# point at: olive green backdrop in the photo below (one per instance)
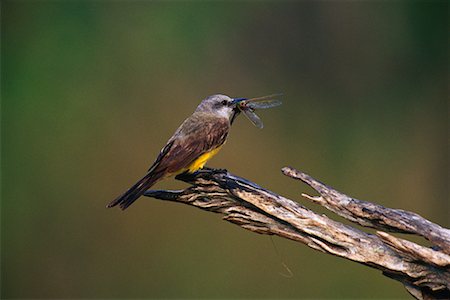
(91, 91)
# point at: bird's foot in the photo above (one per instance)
(190, 177)
(213, 170)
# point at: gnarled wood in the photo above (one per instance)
(425, 272)
(373, 215)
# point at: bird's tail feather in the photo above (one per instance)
(133, 193)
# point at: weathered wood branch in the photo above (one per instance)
(425, 272)
(373, 215)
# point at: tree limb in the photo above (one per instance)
(425, 272)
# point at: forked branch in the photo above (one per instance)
(425, 272)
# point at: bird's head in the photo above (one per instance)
(220, 105)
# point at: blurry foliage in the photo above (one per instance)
(92, 90)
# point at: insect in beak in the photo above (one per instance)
(248, 106)
(237, 101)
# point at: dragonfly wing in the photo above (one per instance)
(253, 118)
(249, 106)
(268, 97)
(263, 104)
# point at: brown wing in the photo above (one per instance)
(199, 134)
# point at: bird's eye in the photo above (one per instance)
(224, 102)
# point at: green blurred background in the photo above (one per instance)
(91, 91)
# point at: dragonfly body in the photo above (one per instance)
(249, 106)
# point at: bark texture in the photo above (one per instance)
(424, 271)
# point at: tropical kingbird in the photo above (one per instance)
(196, 141)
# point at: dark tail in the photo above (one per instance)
(135, 191)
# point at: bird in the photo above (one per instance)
(196, 141)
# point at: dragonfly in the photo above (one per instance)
(248, 107)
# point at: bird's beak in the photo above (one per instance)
(236, 111)
(237, 100)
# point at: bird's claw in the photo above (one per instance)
(187, 177)
(213, 170)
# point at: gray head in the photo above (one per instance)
(220, 105)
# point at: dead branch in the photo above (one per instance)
(425, 272)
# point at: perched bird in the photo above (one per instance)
(196, 141)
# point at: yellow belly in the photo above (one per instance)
(201, 160)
